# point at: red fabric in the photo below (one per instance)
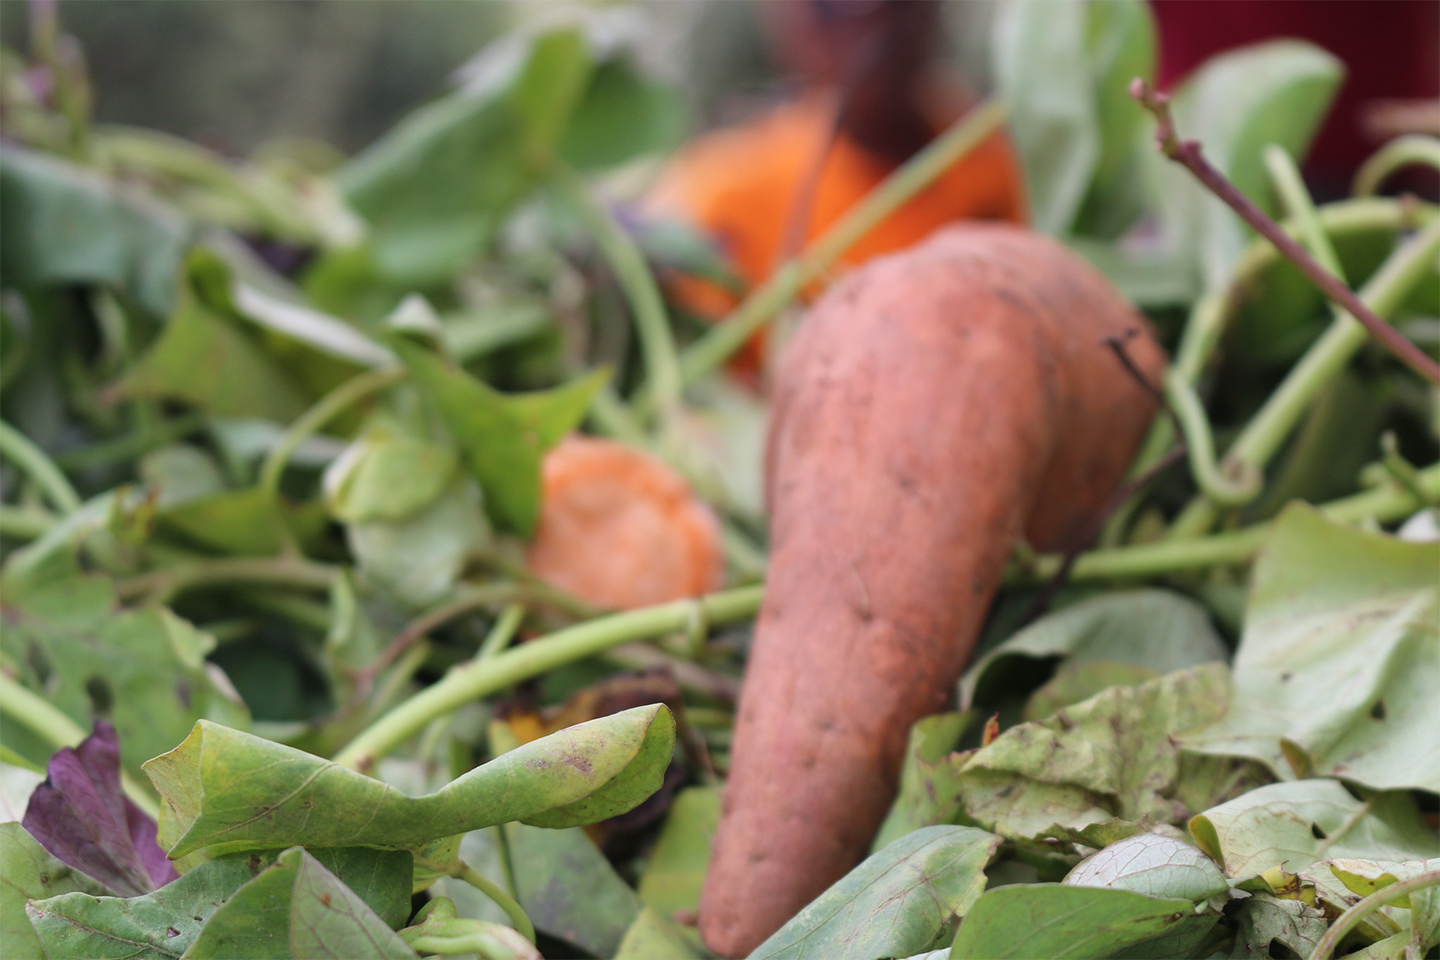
(1391, 49)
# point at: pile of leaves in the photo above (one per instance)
(273, 441)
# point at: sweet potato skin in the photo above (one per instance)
(934, 406)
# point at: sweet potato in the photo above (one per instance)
(620, 529)
(935, 406)
(739, 186)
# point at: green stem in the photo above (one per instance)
(646, 304)
(1317, 368)
(326, 408)
(1382, 504)
(720, 342)
(290, 571)
(502, 899)
(1348, 920)
(57, 731)
(1296, 200)
(1200, 449)
(1400, 152)
(502, 632)
(25, 523)
(476, 679)
(19, 450)
(132, 445)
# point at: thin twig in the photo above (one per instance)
(1189, 155)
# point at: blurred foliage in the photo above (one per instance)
(238, 73)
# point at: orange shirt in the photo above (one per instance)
(739, 186)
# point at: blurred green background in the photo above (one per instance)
(234, 73)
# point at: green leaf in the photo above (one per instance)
(675, 872)
(929, 790)
(1235, 105)
(250, 522)
(143, 670)
(655, 937)
(436, 188)
(568, 888)
(622, 115)
(1055, 921)
(1155, 865)
(502, 437)
(1151, 628)
(28, 872)
(164, 923)
(418, 559)
(1364, 877)
(296, 908)
(207, 358)
(1075, 682)
(327, 918)
(387, 476)
(226, 790)
(1120, 45)
(1112, 755)
(1042, 73)
(1295, 824)
(1338, 665)
(900, 901)
(66, 225)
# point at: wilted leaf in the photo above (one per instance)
(64, 225)
(1074, 682)
(897, 902)
(1364, 877)
(1112, 755)
(1338, 666)
(1151, 628)
(28, 872)
(1263, 919)
(1056, 921)
(226, 790)
(80, 815)
(1155, 865)
(568, 888)
(1295, 824)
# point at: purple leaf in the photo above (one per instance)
(80, 815)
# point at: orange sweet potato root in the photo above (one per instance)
(934, 407)
(620, 529)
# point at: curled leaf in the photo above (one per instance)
(226, 790)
